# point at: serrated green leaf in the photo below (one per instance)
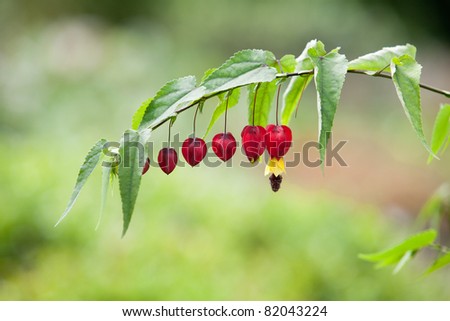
(382, 58)
(329, 76)
(394, 254)
(130, 173)
(233, 99)
(175, 94)
(90, 162)
(243, 68)
(264, 101)
(288, 63)
(439, 263)
(139, 114)
(406, 77)
(441, 130)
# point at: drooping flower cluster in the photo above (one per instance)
(276, 139)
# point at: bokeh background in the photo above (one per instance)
(76, 70)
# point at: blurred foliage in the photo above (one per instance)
(73, 71)
(238, 241)
(422, 20)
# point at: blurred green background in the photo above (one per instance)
(74, 71)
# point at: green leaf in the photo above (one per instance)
(405, 259)
(233, 99)
(175, 94)
(106, 182)
(264, 98)
(382, 58)
(292, 96)
(304, 62)
(130, 172)
(297, 85)
(288, 63)
(139, 114)
(243, 68)
(86, 169)
(439, 263)
(395, 254)
(441, 130)
(430, 214)
(329, 76)
(406, 77)
(207, 73)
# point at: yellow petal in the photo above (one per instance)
(275, 166)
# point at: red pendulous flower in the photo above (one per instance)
(253, 142)
(224, 145)
(278, 140)
(194, 150)
(146, 166)
(167, 160)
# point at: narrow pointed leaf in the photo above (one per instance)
(130, 172)
(90, 162)
(441, 130)
(406, 77)
(395, 254)
(233, 99)
(292, 96)
(382, 58)
(329, 76)
(264, 102)
(405, 259)
(243, 68)
(139, 114)
(174, 94)
(297, 85)
(439, 263)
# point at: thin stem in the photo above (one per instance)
(440, 248)
(254, 104)
(446, 93)
(424, 86)
(226, 111)
(170, 127)
(195, 119)
(278, 96)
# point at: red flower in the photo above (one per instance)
(167, 160)
(253, 142)
(194, 150)
(146, 166)
(224, 145)
(278, 140)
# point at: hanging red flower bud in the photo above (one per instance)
(194, 150)
(146, 166)
(253, 142)
(278, 140)
(224, 145)
(167, 160)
